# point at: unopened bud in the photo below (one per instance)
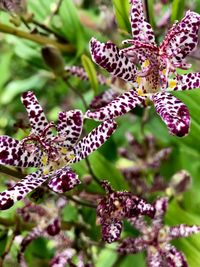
(180, 182)
(53, 59)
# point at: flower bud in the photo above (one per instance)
(53, 59)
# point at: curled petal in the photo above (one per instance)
(161, 206)
(173, 112)
(182, 38)
(69, 127)
(111, 231)
(173, 257)
(183, 230)
(132, 245)
(80, 73)
(187, 82)
(61, 259)
(154, 258)
(103, 99)
(35, 112)
(141, 29)
(108, 57)
(21, 189)
(13, 153)
(159, 157)
(118, 107)
(63, 180)
(94, 140)
(54, 227)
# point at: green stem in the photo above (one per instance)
(36, 38)
(11, 172)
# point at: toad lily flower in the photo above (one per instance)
(153, 81)
(51, 153)
(117, 206)
(155, 239)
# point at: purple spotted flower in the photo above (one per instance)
(115, 207)
(51, 153)
(155, 239)
(154, 80)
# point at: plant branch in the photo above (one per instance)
(11, 172)
(36, 38)
(91, 172)
(80, 202)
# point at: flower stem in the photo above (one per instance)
(36, 38)
(80, 202)
(11, 172)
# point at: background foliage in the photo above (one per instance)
(22, 68)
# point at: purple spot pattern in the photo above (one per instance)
(52, 153)
(141, 29)
(93, 140)
(155, 238)
(173, 112)
(108, 57)
(119, 106)
(12, 153)
(115, 207)
(163, 60)
(63, 180)
(80, 73)
(69, 127)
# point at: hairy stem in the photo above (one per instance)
(36, 38)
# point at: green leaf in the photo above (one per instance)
(91, 72)
(121, 9)
(71, 26)
(17, 87)
(178, 7)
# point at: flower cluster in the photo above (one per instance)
(52, 154)
(155, 238)
(154, 81)
(117, 206)
(144, 160)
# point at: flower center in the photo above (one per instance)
(55, 155)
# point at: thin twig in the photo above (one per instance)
(80, 202)
(11, 172)
(72, 88)
(92, 172)
(36, 38)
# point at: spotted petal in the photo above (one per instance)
(183, 230)
(182, 38)
(35, 112)
(70, 126)
(141, 29)
(119, 106)
(80, 73)
(111, 231)
(103, 99)
(21, 189)
(12, 153)
(108, 57)
(132, 245)
(64, 180)
(173, 112)
(94, 140)
(62, 258)
(186, 82)
(173, 257)
(154, 258)
(161, 205)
